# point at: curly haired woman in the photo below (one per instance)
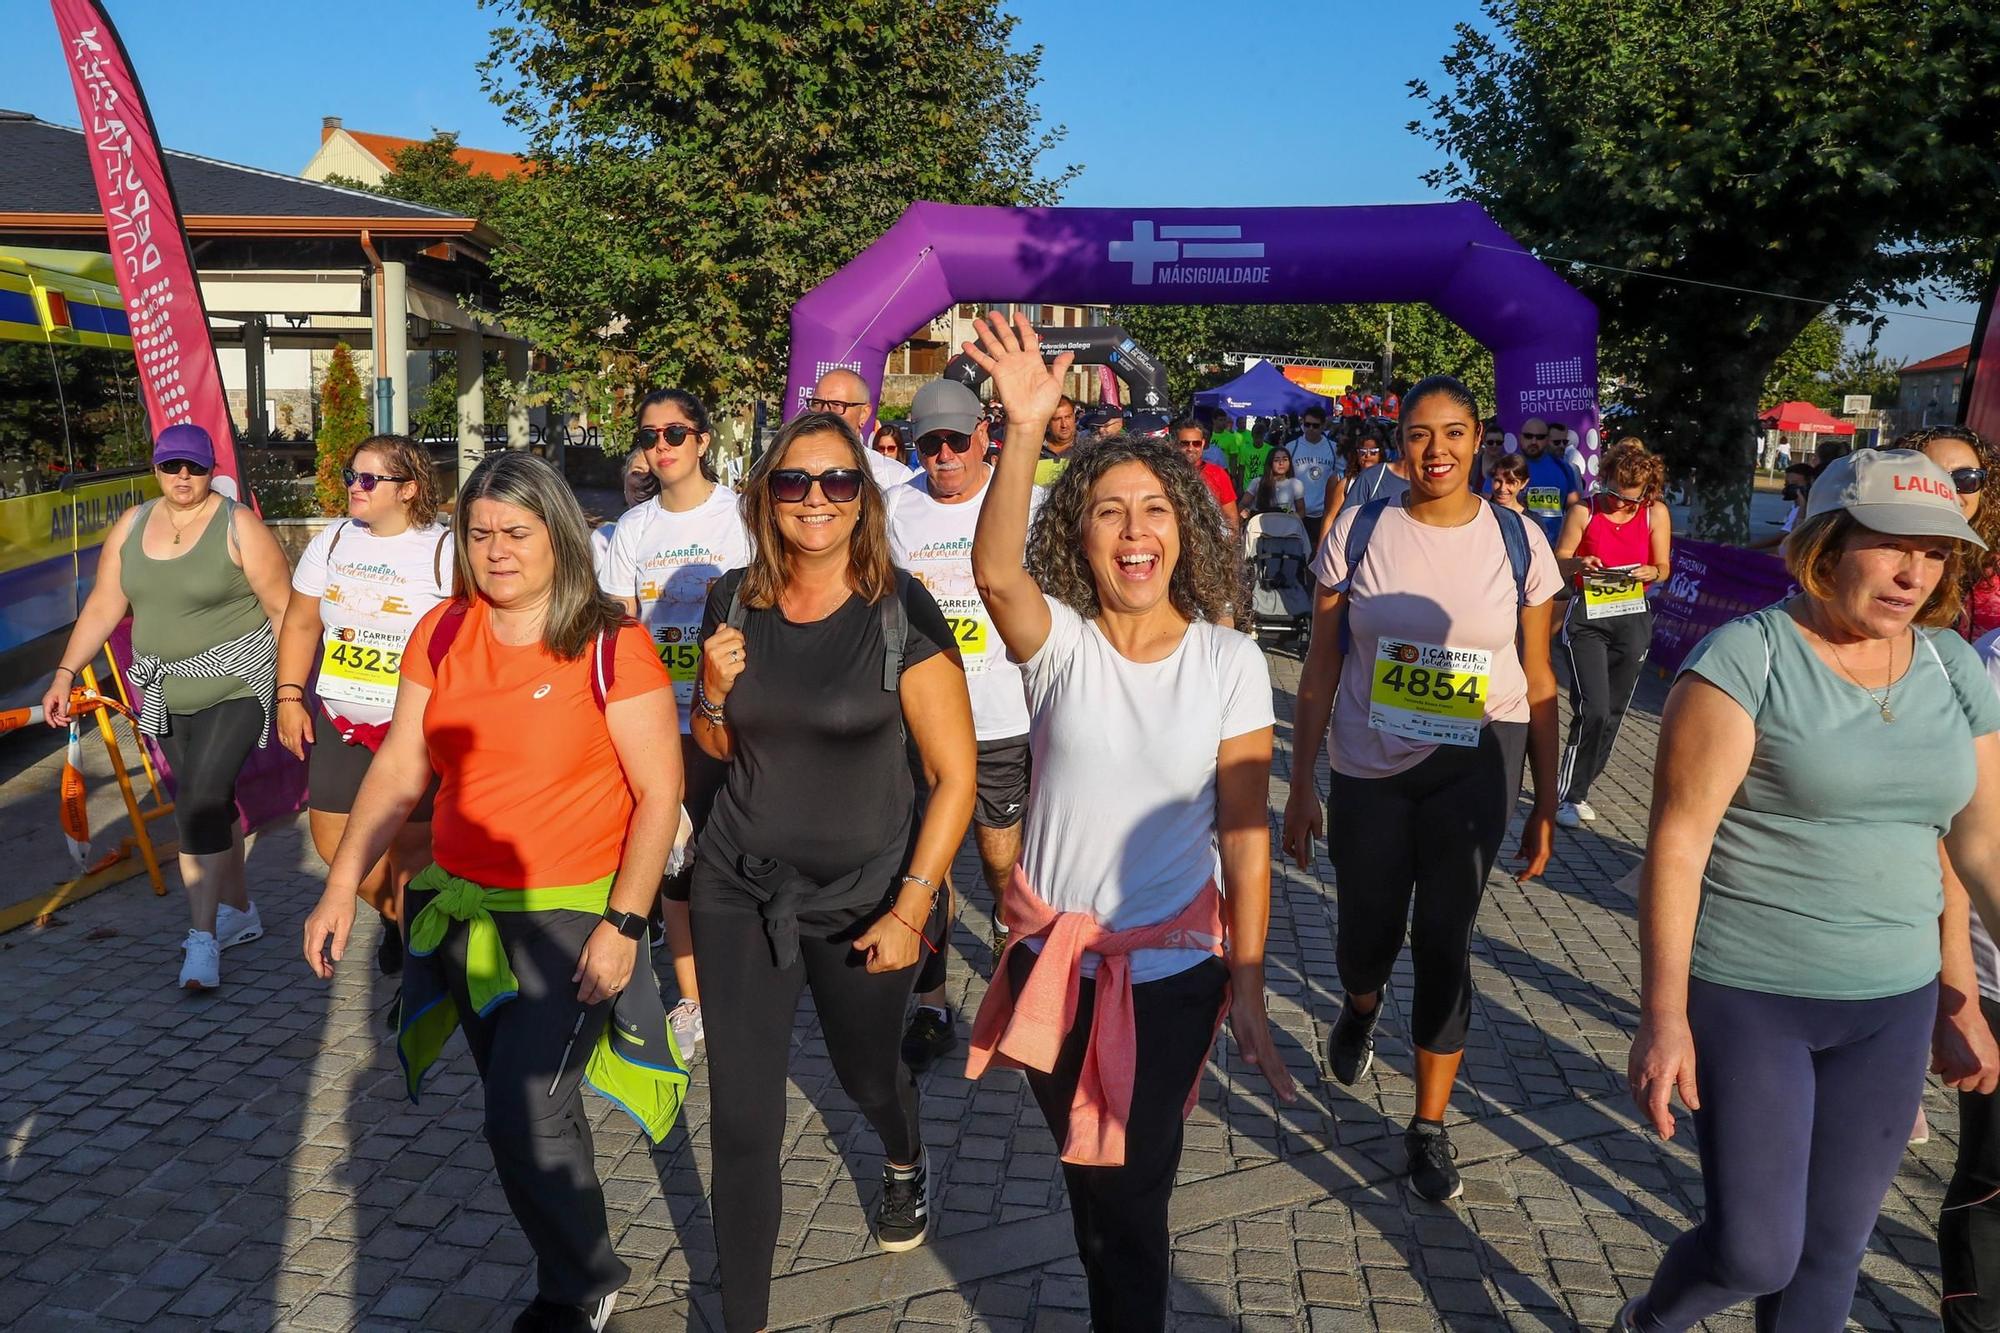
(1150, 729)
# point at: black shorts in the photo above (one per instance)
(1003, 783)
(334, 770)
(702, 776)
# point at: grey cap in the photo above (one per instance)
(1897, 491)
(945, 405)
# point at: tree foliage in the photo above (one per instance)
(1804, 371)
(698, 165)
(343, 424)
(1845, 151)
(431, 174)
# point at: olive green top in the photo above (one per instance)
(189, 604)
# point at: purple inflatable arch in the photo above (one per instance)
(1542, 331)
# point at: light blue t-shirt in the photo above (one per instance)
(1823, 881)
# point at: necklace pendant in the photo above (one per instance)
(1888, 714)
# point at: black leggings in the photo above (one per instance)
(747, 1004)
(206, 751)
(1969, 1226)
(1431, 832)
(1604, 661)
(1119, 1213)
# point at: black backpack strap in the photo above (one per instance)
(737, 612)
(437, 561)
(339, 531)
(895, 633)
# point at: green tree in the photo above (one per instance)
(1845, 151)
(343, 424)
(1803, 372)
(698, 165)
(431, 173)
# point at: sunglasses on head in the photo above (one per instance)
(675, 435)
(840, 485)
(1968, 480)
(933, 444)
(369, 480)
(174, 467)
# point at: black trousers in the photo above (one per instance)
(1429, 834)
(1969, 1226)
(206, 751)
(1119, 1213)
(1604, 661)
(747, 1003)
(540, 1140)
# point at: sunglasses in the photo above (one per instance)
(369, 480)
(1968, 480)
(840, 485)
(1606, 493)
(174, 467)
(675, 435)
(1534, 435)
(933, 444)
(833, 405)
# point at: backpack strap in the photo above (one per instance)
(1514, 536)
(1365, 519)
(895, 633)
(339, 531)
(437, 561)
(446, 632)
(737, 612)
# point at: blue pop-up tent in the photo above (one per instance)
(1261, 391)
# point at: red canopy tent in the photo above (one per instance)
(1804, 419)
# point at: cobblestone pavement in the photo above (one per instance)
(246, 1160)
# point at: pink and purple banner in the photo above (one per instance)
(178, 372)
(1711, 585)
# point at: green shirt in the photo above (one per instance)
(1823, 881)
(184, 606)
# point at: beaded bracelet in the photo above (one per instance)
(710, 711)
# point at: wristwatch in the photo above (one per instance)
(629, 924)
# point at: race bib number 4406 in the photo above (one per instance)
(1429, 692)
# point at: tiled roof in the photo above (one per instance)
(1955, 359)
(45, 168)
(480, 161)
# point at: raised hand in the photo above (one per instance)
(1011, 355)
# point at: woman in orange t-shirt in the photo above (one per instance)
(549, 723)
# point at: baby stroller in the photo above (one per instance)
(1281, 582)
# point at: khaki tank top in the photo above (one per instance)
(189, 604)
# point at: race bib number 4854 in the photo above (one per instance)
(1429, 692)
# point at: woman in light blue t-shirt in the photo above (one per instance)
(1811, 756)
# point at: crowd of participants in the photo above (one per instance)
(753, 727)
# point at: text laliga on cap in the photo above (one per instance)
(1897, 491)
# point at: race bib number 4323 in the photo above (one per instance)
(1429, 692)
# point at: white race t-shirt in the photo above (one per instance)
(372, 592)
(887, 471)
(665, 562)
(934, 542)
(1284, 490)
(1316, 465)
(600, 546)
(1121, 801)
(1985, 956)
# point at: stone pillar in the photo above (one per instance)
(471, 400)
(517, 386)
(394, 362)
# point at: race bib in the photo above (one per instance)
(970, 631)
(1428, 692)
(1542, 500)
(360, 666)
(682, 659)
(1612, 595)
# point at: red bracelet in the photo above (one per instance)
(919, 934)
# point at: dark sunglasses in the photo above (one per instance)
(675, 435)
(834, 405)
(1606, 493)
(840, 485)
(369, 481)
(174, 467)
(1534, 435)
(1968, 480)
(933, 444)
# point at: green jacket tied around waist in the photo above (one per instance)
(635, 1062)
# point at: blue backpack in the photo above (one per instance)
(1513, 535)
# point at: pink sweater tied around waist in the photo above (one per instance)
(1027, 1031)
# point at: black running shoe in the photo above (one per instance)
(1433, 1169)
(998, 939)
(389, 951)
(902, 1219)
(929, 1038)
(1350, 1047)
(554, 1317)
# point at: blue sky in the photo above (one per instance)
(1184, 101)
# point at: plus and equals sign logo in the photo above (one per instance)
(1171, 245)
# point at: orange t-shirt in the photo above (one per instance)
(530, 791)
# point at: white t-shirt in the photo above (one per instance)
(887, 471)
(1316, 465)
(1284, 490)
(934, 542)
(1985, 956)
(600, 546)
(1122, 802)
(665, 562)
(372, 592)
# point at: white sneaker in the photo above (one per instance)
(233, 927)
(600, 1313)
(1569, 816)
(203, 968)
(1583, 811)
(685, 1020)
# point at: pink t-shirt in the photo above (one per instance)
(1447, 586)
